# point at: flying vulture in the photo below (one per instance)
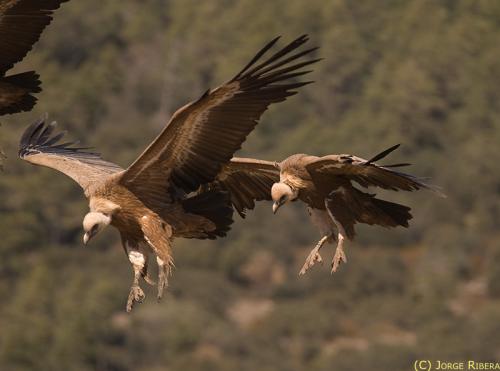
(164, 193)
(325, 185)
(21, 24)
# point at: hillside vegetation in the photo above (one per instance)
(423, 73)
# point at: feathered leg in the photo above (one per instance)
(145, 275)
(138, 257)
(339, 256)
(136, 295)
(158, 236)
(164, 271)
(322, 220)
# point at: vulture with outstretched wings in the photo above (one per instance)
(325, 185)
(184, 183)
(21, 24)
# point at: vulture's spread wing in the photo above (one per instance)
(202, 136)
(365, 172)
(247, 180)
(15, 92)
(21, 23)
(40, 147)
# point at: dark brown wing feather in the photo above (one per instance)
(202, 136)
(158, 235)
(247, 180)
(365, 172)
(21, 23)
(349, 206)
(16, 90)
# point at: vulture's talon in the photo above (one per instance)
(313, 258)
(162, 280)
(338, 258)
(149, 280)
(164, 271)
(136, 295)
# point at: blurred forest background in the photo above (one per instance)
(423, 73)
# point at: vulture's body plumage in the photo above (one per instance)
(183, 184)
(21, 24)
(327, 186)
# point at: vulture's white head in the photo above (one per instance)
(93, 223)
(281, 193)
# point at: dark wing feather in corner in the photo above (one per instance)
(40, 146)
(247, 180)
(202, 136)
(16, 90)
(21, 24)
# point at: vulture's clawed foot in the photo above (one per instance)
(162, 282)
(148, 280)
(164, 270)
(338, 258)
(136, 295)
(314, 256)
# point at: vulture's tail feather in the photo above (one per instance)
(399, 214)
(214, 205)
(381, 212)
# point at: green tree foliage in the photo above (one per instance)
(422, 73)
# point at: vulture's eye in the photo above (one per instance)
(282, 199)
(94, 228)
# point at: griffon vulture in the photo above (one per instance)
(21, 24)
(161, 195)
(325, 185)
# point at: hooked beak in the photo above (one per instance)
(276, 206)
(86, 238)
